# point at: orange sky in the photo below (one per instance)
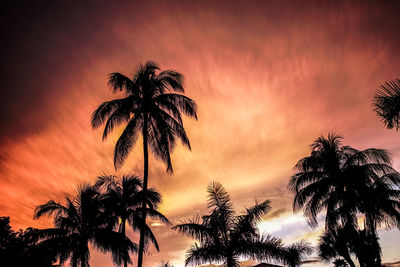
(268, 79)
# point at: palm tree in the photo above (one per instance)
(165, 264)
(330, 177)
(122, 199)
(80, 222)
(338, 242)
(379, 202)
(152, 106)
(387, 103)
(224, 236)
(347, 183)
(297, 252)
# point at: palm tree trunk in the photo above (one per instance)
(83, 260)
(349, 260)
(123, 233)
(371, 231)
(145, 179)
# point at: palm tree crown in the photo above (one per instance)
(224, 237)
(387, 103)
(348, 183)
(297, 252)
(330, 177)
(152, 105)
(122, 200)
(80, 222)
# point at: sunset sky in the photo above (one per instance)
(268, 77)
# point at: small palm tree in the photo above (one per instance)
(387, 103)
(338, 242)
(224, 237)
(152, 106)
(80, 222)
(297, 252)
(165, 264)
(379, 202)
(122, 200)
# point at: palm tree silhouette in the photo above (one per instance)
(338, 242)
(348, 183)
(297, 252)
(330, 177)
(152, 107)
(122, 199)
(387, 103)
(225, 236)
(379, 201)
(80, 222)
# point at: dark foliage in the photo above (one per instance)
(18, 249)
(122, 200)
(224, 236)
(152, 107)
(79, 222)
(387, 103)
(347, 183)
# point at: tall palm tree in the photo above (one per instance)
(225, 237)
(152, 106)
(387, 103)
(297, 252)
(77, 223)
(122, 199)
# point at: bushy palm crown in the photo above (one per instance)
(331, 178)
(387, 103)
(296, 253)
(338, 242)
(224, 236)
(150, 98)
(79, 222)
(122, 200)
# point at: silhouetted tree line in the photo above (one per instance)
(357, 190)
(21, 248)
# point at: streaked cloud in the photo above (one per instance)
(268, 77)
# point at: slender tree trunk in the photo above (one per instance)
(145, 179)
(74, 262)
(123, 233)
(371, 231)
(349, 260)
(83, 259)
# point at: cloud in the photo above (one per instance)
(268, 79)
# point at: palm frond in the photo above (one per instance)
(104, 110)
(387, 103)
(263, 248)
(126, 141)
(198, 255)
(49, 209)
(194, 229)
(119, 82)
(183, 103)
